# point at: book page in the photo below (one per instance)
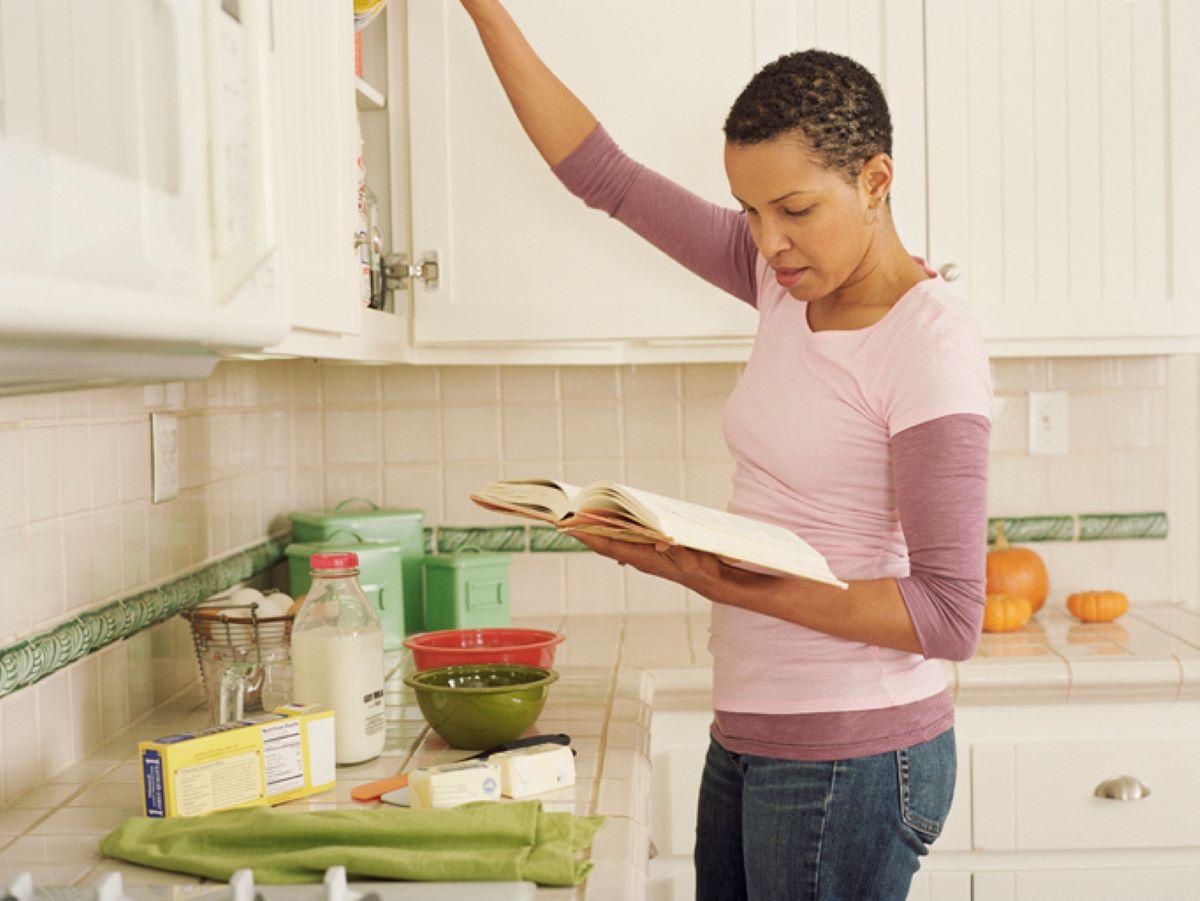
(612, 525)
(668, 510)
(609, 496)
(727, 535)
(544, 499)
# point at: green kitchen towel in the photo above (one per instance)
(487, 841)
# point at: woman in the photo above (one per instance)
(861, 423)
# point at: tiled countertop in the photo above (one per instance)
(603, 700)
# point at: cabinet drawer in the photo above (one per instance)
(1040, 795)
(1094, 884)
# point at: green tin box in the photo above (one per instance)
(371, 523)
(466, 590)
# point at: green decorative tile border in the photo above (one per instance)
(430, 547)
(486, 538)
(33, 659)
(1102, 527)
(1021, 529)
(549, 539)
(1018, 530)
(1081, 527)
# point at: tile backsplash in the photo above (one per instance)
(77, 528)
(259, 439)
(426, 436)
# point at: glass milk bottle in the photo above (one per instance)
(337, 657)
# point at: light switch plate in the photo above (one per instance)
(164, 455)
(1048, 414)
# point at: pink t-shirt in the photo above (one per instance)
(932, 417)
(809, 426)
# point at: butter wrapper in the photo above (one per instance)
(533, 770)
(454, 783)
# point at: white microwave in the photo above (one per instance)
(137, 203)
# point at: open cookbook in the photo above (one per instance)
(631, 514)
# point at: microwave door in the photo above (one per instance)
(98, 124)
(238, 34)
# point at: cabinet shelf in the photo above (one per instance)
(368, 97)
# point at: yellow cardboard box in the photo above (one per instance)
(265, 759)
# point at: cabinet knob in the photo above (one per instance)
(950, 272)
(1122, 788)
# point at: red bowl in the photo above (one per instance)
(460, 647)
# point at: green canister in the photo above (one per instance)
(374, 523)
(380, 575)
(467, 589)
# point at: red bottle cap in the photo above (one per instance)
(333, 561)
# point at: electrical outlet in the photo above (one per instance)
(1048, 414)
(164, 456)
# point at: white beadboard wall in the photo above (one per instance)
(260, 439)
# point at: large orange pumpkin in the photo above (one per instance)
(1006, 612)
(1097, 606)
(1017, 570)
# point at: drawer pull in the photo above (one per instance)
(1122, 788)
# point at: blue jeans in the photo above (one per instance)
(794, 830)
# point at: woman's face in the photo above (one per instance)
(807, 220)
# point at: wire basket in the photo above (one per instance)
(235, 634)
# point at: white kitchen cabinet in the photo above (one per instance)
(1061, 141)
(323, 110)
(1098, 884)
(318, 148)
(521, 260)
(1038, 796)
(136, 226)
(1041, 155)
(1037, 831)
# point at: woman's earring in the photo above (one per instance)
(873, 214)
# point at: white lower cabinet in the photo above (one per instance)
(1026, 824)
(928, 886)
(1040, 796)
(1100, 884)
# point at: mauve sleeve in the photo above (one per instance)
(712, 241)
(940, 478)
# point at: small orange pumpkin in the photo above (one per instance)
(1006, 612)
(1017, 570)
(1097, 606)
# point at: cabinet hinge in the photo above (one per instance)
(397, 270)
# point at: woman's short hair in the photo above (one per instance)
(829, 99)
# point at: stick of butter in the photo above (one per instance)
(454, 783)
(533, 770)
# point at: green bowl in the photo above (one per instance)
(484, 704)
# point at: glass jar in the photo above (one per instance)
(337, 657)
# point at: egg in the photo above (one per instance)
(275, 604)
(245, 596)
